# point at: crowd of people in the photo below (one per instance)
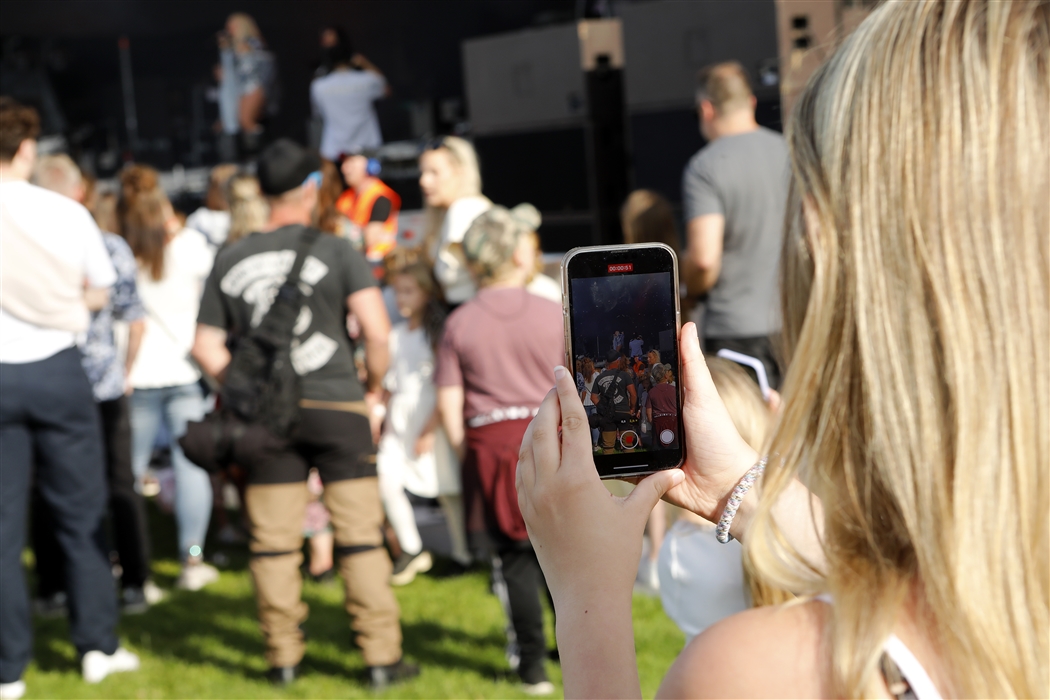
(404, 388)
(281, 344)
(630, 397)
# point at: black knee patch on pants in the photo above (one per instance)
(350, 550)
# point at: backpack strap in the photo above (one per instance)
(307, 237)
(289, 289)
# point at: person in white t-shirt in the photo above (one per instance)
(173, 265)
(451, 184)
(414, 451)
(54, 269)
(343, 100)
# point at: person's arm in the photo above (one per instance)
(359, 61)
(633, 393)
(96, 298)
(426, 439)
(450, 402)
(136, 329)
(98, 270)
(704, 237)
(210, 351)
(591, 571)
(588, 543)
(367, 305)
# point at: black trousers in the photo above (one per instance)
(525, 585)
(127, 511)
(48, 417)
(760, 347)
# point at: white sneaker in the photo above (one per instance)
(97, 665)
(154, 593)
(537, 689)
(196, 576)
(12, 691)
(407, 566)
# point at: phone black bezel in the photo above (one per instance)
(646, 258)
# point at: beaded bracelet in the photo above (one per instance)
(735, 499)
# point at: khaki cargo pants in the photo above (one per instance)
(276, 514)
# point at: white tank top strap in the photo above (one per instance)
(922, 686)
(917, 683)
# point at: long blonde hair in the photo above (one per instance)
(753, 420)
(915, 303)
(248, 209)
(465, 159)
(244, 31)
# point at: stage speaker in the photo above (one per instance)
(546, 108)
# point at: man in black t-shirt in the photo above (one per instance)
(337, 421)
(616, 398)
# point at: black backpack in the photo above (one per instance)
(261, 384)
(261, 390)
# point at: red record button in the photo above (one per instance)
(621, 267)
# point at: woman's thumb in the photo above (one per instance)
(651, 489)
(697, 385)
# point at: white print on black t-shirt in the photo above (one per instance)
(313, 354)
(604, 382)
(256, 280)
(306, 317)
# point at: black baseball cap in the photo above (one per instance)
(285, 165)
(613, 355)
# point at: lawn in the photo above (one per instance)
(206, 644)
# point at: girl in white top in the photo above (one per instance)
(907, 470)
(451, 184)
(414, 453)
(173, 264)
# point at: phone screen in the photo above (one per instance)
(622, 330)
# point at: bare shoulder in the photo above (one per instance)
(776, 651)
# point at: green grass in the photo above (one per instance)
(207, 644)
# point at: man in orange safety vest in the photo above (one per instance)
(370, 205)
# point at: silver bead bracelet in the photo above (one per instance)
(735, 499)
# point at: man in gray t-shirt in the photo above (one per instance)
(734, 191)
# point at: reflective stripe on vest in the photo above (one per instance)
(358, 208)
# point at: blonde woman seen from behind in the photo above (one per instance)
(248, 208)
(912, 434)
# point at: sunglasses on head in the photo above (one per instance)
(315, 177)
(434, 144)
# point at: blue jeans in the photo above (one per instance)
(174, 406)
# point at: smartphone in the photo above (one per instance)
(622, 319)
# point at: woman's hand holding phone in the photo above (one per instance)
(588, 543)
(716, 456)
(575, 523)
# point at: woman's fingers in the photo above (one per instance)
(696, 377)
(541, 437)
(575, 429)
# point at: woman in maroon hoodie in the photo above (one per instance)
(495, 365)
